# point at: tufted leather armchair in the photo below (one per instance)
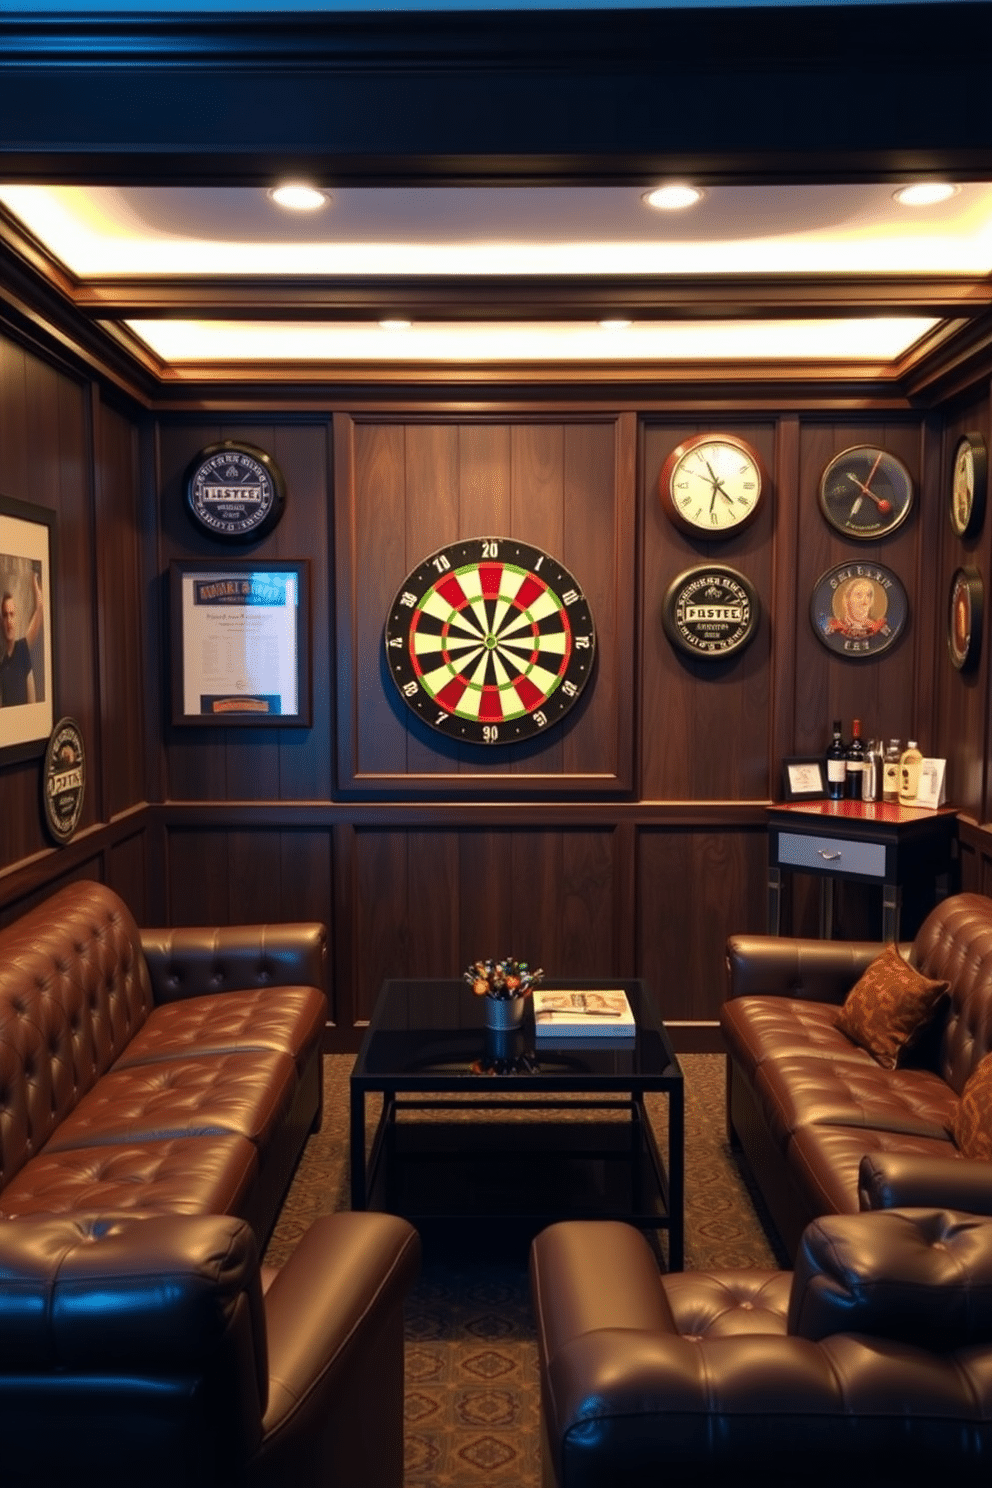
(147, 1350)
(870, 1363)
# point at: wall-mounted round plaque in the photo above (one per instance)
(969, 484)
(858, 609)
(866, 492)
(964, 618)
(234, 491)
(710, 612)
(490, 641)
(63, 779)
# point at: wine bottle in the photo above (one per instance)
(909, 774)
(854, 776)
(836, 764)
(890, 772)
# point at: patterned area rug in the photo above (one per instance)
(472, 1402)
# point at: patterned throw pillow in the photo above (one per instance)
(972, 1129)
(889, 1007)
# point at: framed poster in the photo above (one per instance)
(241, 643)
(27, 541)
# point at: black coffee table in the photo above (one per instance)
(503, 1126)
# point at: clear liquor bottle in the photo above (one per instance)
(890, 771)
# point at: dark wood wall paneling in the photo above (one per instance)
(240, 764)
(630, 840)
(403, 490)
(62, 448)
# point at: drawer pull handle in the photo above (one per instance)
(829, 857)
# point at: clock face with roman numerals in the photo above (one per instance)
(490, 641)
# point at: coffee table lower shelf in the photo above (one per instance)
(443, 1173)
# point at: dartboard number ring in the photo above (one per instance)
(490, 641)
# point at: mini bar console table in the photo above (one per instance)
(865, 842)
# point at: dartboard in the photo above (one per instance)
(490, 640)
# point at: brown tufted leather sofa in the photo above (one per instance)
(172, 1071)
(870, 1364)
(825, 1128)
(156, 1091)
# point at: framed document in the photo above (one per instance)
(241, 643)
(27, 541)
(803, 779)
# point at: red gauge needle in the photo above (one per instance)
(883, 505)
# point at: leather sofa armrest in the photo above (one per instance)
(334, 1325)
(783, 966)
(921, 1276)
(894, 1180)
(625, 1407)
(192, 961)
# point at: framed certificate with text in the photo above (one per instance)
(241, 643)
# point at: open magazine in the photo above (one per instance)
(597, 1014)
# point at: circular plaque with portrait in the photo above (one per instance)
(964, 619)
(710, 612)
(234, 491)
(858, 610)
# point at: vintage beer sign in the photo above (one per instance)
(64, 779)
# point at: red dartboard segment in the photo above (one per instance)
(451, 590)
(490, 640)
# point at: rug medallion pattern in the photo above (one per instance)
(472, 1407)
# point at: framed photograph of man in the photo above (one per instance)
(27, 541)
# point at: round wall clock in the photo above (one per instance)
(865, 492)
(964, 619)
(711, 485)
(234, 491)
(969, 479)
(710, 612)
(490, 641)
(858, 609)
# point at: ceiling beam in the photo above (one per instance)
(532, 298)
(783, 94)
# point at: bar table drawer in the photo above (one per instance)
(870, 842)
(831, 854)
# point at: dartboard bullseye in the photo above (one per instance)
(490, 641)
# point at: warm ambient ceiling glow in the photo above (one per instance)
(372, 235)
(881, 340)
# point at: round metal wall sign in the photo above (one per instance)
(858, 609)
(490, 641)
(711, 612)
(234, 491)
(64, 779)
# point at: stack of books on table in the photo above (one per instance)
(605, 1014)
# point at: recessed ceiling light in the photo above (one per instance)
(672, 198)
(298, 196)
(925, 193)
(395, 325)
(616, 324)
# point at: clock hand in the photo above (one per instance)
(880, 501)
(717, 485)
